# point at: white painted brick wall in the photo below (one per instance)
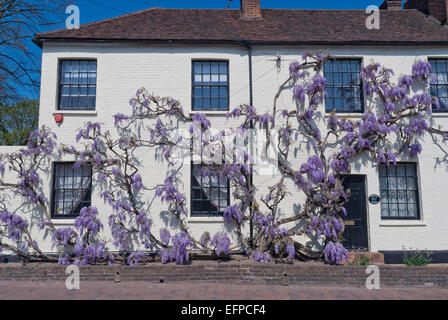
(166, 71)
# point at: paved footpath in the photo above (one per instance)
(10, 290)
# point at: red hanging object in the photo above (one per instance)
(59, 118)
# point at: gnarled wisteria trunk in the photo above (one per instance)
(305, 152)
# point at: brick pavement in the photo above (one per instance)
(108, 290)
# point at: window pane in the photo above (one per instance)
(344, 91)
(92, 78)
(197, 67)
(197, 92)
(197, 104)
(385, 210)
(439, 86)
(206, 78)
(206, 92)
(197, 194)
(393, 209)
(65, 66)
(209, 193)
(75, 66)
(92, 66)
(223, 92)
(215, 78)
(72, 189)
(211, 97)
(214, 181)
(399, 193)
(83, 78)
(84, 66)
(198, 78)
(77, 79)
(223, 68)
(206, 67)
(215, 67)
(215, 104)
(215, 92)
(223, 103)
(412, 211)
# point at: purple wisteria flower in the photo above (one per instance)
(291, 251)
(63, 236)
(335, 252)
(262, 256)
(119, 117)
(205, 239)
(88, 221)
(221, 243)
(165, 236)
(233, 212)
(421, 70)
(137, 182)
(299, 93)
(136, 258)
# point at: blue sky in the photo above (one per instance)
(92, 10)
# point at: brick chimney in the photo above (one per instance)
(251, 10)
(392, 4)
(436, 8)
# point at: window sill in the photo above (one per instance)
(403, 223)
(63, 221)
(76, 112)
(205, 220)
(210, 113)
(440, 114)
(345, 115)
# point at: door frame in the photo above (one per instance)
(366, 191)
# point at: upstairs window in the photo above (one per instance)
(344, 87)
(72, 189)
(439, 83)
(210, 86)
(77, 87)
(210, 193)
(399, 191)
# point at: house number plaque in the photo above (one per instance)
(374, 199)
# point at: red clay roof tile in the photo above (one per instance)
(281, 26)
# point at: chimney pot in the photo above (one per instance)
(251, 10)
(392, 5)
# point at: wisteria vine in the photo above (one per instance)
(389, 130)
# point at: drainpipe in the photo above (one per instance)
(251, 142)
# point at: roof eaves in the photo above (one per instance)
(40, 41)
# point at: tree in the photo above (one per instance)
(400, 119)
(17, 121)
(19, 21)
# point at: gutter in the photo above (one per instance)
(39, 42)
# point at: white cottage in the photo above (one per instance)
(214, 60)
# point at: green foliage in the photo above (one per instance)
(416, 258)
(364, 260)
(17, 121)
(361, 260)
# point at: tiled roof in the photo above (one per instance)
(278, 26)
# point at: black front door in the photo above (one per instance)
(355, 234)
